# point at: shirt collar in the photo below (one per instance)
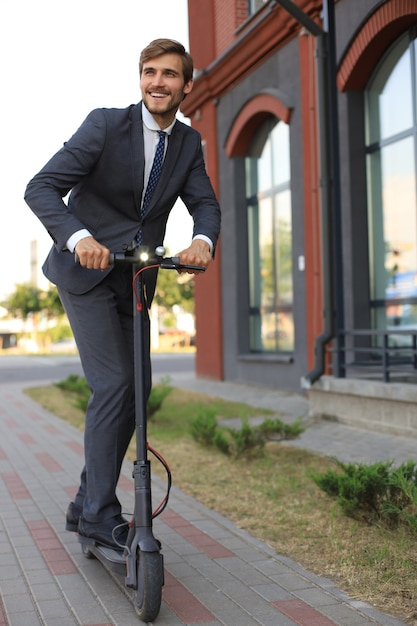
(150, 123)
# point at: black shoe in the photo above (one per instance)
(73, 515)
(111, 533)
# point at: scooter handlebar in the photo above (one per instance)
(143, 259)
(166, 263)
(174, 263)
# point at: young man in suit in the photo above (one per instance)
(106, 166)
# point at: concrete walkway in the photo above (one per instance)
(216, 574)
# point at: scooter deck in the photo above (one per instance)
(111, 558)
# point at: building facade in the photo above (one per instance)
(308, 113)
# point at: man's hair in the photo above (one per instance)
(157, 47)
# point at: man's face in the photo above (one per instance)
(163, 88)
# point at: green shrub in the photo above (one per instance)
(203, 427)
(157, 396)
(247, 440)
(244, 441)
(376, 492)
(221, 442)
(78, 386)
(277, 429)
(73, 383)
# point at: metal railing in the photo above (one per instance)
(389, 354)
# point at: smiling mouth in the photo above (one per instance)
(157, 94)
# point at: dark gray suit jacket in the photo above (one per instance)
(102, 166)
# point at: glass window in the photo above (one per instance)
(255, 5)
(390, 87)
(391, 132)
(271, 324)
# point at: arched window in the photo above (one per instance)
(268, 198)
(391, 145)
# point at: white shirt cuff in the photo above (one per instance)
(76, 237)
(207, 240)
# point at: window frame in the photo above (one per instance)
(376, 149)
(280, 341)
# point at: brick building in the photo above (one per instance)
(308, 113)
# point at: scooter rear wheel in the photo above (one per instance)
(148, 596)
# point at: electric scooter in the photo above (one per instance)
(140, 561)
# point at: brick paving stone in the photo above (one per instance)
(28, 619)
(271, 592)
(184, 604)
(302, 614)
(316, 597)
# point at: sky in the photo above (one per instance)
(60, 59)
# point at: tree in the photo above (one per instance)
(29, 300)
(173, 288)
(24, 301)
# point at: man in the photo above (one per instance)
(106, 165)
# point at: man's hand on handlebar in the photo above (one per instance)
(92, 255)
(198, 253)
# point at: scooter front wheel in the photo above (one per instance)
(148, 596)
(87, 552)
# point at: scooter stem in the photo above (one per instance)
(140, 535)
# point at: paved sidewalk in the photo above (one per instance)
(216, 574)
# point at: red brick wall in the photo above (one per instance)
(201, 33)
(229, 15)
(241, 11)
(213, 27)
(208, 308)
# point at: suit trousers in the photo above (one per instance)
(102, 324)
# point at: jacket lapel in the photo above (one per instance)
(137, 153)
